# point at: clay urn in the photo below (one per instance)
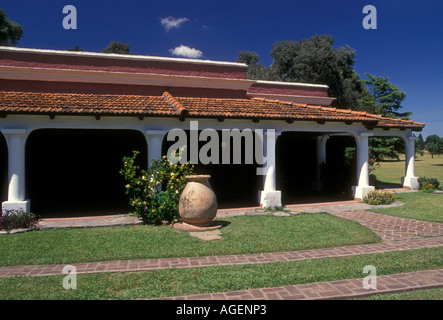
(198, 203)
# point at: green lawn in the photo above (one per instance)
(418, 205)
(243, 234)
(425, 166)
(171, 282)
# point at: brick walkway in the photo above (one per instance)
(391, 228)
(340, 289)
(398, 233)
(194, 262)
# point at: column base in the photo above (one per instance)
(360, 192)
(410, 182)
(17, 205)
(270, 199)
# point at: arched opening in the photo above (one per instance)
(300, 177)
(75, 172)
(387, 161)
(3, 169)
(235, 185)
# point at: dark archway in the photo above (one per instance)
(296, 159)
(75, 172)
(3, 169)
(235, 185)
(340, 171)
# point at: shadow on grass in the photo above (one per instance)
(222, 223)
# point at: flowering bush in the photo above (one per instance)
(428, 184)
(14, 219)
(154, 194)
(377, 197)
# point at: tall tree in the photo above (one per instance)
(10, 31)
(316, 60)
(383, 98)
(117, 47)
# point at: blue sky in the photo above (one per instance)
(407, 45)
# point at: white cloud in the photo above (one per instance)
(184, 51)
(171, 22)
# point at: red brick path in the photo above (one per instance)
(350, 288)
(193, 262)
(410, 232)
(393, 228)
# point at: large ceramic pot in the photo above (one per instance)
(198, 203)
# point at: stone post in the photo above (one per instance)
(16, 141)
(154, 139)
(363, 186)
(270, 197)
(410, 180)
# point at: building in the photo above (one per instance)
(67, 118)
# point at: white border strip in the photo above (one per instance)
(298, 84)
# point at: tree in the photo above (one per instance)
(248, 57)
(382, 98)
(76, 48)
(420, 142)
(254, 71)
(10, 31)
(420, 145)
(315, 60)
(117, 47)
(434, 145)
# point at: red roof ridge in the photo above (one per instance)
(174, 103)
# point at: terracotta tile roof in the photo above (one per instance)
(169, 106)
(261, 108)
(95, 104)
(390, 122)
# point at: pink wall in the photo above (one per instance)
(99, 88)
(36, 60)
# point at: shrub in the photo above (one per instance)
(155, 193)
(378, 197)
(428, 184)
(15, 219)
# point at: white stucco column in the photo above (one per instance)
(154, 139)
(363, 186)
(317, 184)
(16, 141)
(410, 180)
(269, 196)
